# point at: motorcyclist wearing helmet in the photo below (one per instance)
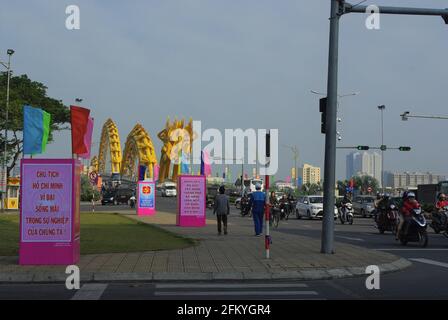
(382, 206)
(347, 199)
(409, 204)
(441, 203)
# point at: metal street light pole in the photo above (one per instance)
(10, 52)
(339, 8)
(295, 152)
(406, 115)
(382, 108)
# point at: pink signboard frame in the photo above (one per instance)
(185, 218)
(41, 249)
(144, 207)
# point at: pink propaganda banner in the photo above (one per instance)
(49, 213)
(191, 201)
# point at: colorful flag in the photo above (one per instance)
(141, 172)
(88, 139)
(36, 128)
(79, 118)
(206, 168)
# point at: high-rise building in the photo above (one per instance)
(309, 174)
(405, 180)
(364, 163)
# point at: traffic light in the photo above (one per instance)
(383, 147)
(323, 110)
(404, 148)
(363, 148)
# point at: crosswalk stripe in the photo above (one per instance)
(432, 262)
(229, 285)
(234, 293)
(350, 238)
(90, 291)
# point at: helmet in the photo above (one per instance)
(442, 196)
(258, 186)
(410, 195)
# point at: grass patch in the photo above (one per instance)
(102, 233)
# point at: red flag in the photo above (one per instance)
(79, 120)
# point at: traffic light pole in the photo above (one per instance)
(327, 245)
(338, 8)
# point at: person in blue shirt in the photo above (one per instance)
(257, 202)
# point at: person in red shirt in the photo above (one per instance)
(409, 204)
(442, 203)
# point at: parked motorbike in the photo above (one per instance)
(414, 229)
(440, 221)
(346, 213)
(388, 221)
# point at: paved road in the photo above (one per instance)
(426, 279)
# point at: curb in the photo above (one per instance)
(301, 275)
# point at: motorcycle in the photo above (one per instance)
(388, 221)
(440, 221)
(414, 229)
(277, 212)
(346, 213)
(245, 207)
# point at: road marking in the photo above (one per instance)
(349, 238)
(229, 285)
(432, 262)
(412, 249)
(235, 293)
(90, 291)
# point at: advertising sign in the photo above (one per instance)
(146, 199)
(191, 201)
(49, 213)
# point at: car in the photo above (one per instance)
(117, 196)
(364, 206)
(311, 207)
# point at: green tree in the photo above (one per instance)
(311, 189)
(87, 190)
(24, 91)
(362, 183)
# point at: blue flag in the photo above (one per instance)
(36, 128)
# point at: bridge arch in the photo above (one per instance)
(139, 148)
(110, 146)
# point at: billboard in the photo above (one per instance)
(49, 211)
(146, 198)
(191, 201)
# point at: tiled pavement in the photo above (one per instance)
(239, 255)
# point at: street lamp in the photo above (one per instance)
(338, 9)
(10, 52)
(78, 100)
(382, 108)
(295, 152)
(406, 115)
(340, 96)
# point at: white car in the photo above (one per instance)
(312, 207)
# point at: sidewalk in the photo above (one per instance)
(237, 256)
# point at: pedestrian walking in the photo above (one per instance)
(257, 202)
(222, 209)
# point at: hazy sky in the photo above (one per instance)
(239, 63)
